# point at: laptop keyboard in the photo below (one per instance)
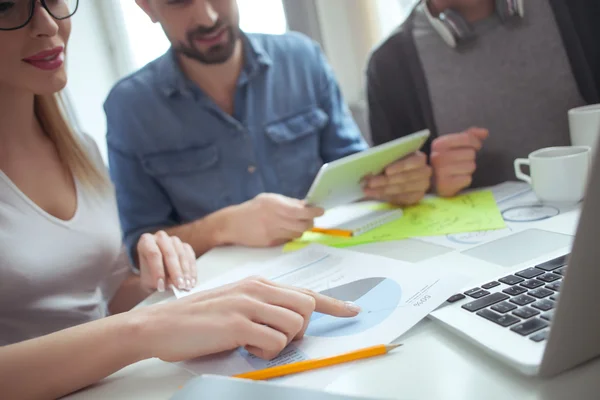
(525, 300)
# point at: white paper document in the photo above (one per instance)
(393, 295)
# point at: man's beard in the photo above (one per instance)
(217, 54)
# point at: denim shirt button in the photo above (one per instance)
(251, 169)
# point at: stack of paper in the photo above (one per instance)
(394, 296)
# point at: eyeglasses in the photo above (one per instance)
(15, 14)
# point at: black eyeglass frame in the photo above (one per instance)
(32, 12)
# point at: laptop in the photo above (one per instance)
(542, 318)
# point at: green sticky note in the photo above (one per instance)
(472, 212)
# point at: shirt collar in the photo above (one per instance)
(173, 80)
(255, 59)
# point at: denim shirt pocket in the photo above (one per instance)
(193, 178)
(295, 150)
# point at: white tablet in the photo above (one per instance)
(339, 182)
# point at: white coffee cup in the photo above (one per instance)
(584, 125)
(558, 174)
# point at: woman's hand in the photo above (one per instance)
(165, 260)
(259, 315)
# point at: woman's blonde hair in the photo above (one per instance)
(49, 110)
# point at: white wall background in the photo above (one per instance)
(351, 29)
(91, 71)
(391, 13)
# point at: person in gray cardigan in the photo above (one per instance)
(492, 79)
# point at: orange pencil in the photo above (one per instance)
(332, 232)
(307, 365)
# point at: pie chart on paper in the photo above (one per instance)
(378, 297)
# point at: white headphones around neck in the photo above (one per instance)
(455, 30)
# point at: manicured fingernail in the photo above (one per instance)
(181, 283)
(193, 282)
(188, 283)
(353, 307)
(161, 285)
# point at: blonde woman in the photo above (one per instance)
(65, 285)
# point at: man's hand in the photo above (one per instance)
(453, 160)
(269, 220)
(403, 183)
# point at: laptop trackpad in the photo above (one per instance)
(520, 247)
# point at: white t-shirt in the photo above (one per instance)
(56, 274)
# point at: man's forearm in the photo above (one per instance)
(206, 233)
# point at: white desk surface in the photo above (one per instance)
(433, 364)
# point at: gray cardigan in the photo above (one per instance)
(398, 97)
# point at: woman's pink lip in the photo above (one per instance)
(48, 60)
(45, 54)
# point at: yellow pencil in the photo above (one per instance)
(307, 365)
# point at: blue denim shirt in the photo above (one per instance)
(175, 156)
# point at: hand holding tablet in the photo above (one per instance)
(402, 183)
(395, 172)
